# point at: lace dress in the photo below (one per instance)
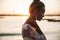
(29, 34)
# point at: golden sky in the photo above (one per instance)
(22, 6)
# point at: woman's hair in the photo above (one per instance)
(36, 0)
(37, 6)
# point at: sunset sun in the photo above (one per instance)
(23, 7)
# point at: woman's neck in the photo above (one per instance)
(31, 21)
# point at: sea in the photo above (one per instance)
(11, 27)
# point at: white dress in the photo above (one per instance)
(29, 34)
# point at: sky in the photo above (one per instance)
(22, 6)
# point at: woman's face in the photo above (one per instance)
(39, 16)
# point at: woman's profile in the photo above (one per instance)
(30, 29)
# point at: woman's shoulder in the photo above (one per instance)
(26, 26)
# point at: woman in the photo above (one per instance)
(30, 29)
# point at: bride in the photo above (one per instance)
(30, 29)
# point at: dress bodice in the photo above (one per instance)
(29, 34)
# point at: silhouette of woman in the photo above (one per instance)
(30, 29)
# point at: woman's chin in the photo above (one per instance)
(39, 19)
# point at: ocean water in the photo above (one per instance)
(13, 24)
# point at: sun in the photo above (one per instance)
(23, 7)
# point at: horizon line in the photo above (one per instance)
(27, 15)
